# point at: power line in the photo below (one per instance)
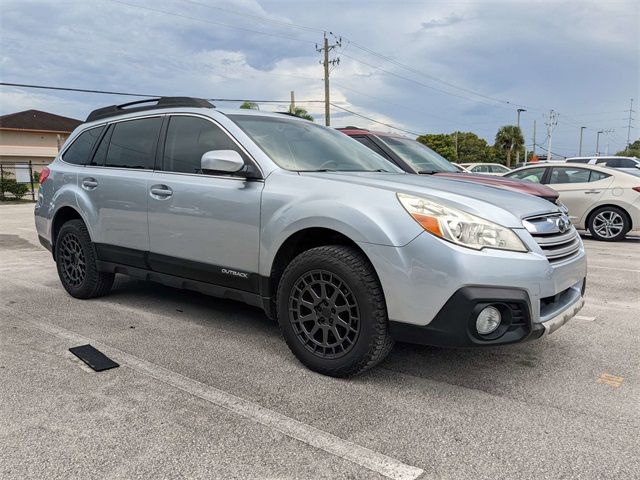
(431, 87)
(257, 17)
(374, 121)
(220, 24)
(129, 94)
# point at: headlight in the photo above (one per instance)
(460, 227)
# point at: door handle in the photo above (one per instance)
(161, 191)
(591, 191)
(89, 183)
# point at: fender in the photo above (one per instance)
(377, 220)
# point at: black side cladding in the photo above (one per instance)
(93, 357)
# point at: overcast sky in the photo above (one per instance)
(465, 65)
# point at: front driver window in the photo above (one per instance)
(188, 138)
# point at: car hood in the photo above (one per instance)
(498, 205)
(514, 185)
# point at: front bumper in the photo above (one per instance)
(454, 325)
(431, 288)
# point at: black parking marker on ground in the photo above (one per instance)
(94, 358)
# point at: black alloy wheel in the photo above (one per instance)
(324, 314)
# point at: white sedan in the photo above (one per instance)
(486, 168)
(603, 200)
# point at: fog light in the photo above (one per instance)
(488, 320)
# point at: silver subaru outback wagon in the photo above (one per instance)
(347, 252)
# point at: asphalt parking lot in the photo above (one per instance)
(207, 389)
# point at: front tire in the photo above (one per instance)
(77, 263)
(609, 224)
(332, 312)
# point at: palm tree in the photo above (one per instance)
(508, 139)
(300, 112)
(249, 105)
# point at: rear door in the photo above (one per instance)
(579, 188)
(203, 226)
(115, 186)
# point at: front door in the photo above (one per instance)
(203, 226)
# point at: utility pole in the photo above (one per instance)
(629, 127)
(551, 122)
(325, 49)
(292, 106)
(534, 137)
(457, 156)
(580, 146)
(606, 132)
(520, 110)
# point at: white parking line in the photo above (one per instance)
(374, 461)
(584, 319)
(615, 268)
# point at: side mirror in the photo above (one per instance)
(228, 161)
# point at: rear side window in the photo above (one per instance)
(480, 169)
(133, 143)
(80, 150)
(569, 175)
(188, 138)
(498, 169)
(595, 176)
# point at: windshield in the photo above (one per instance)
(420, 157)
(304, 146)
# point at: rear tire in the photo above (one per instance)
(332, 312)
(609, 224)
(77, 262)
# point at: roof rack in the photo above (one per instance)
(155, 103)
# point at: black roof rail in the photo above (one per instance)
(155, 103)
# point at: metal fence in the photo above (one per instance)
(20, 179)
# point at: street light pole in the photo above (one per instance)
(598, 142)
(520, 110)
(580, 147)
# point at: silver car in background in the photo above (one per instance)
(347, 252)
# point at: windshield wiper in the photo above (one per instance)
(428, 172)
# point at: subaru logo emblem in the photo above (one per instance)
(563, 223)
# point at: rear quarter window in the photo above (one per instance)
(80, 150)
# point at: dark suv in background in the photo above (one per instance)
(415, 157)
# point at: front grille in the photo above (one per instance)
(556, 245)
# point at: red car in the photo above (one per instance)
(415, 157)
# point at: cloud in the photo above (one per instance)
(515, 51)
(451, 19)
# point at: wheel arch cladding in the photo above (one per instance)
(301, 241)
(62, 216)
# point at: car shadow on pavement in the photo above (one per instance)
(493, 369)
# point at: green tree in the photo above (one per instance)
(472, 148)
(632, 150)
(301, 112)
(442, 143)
(249, 105)
(509, 139)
